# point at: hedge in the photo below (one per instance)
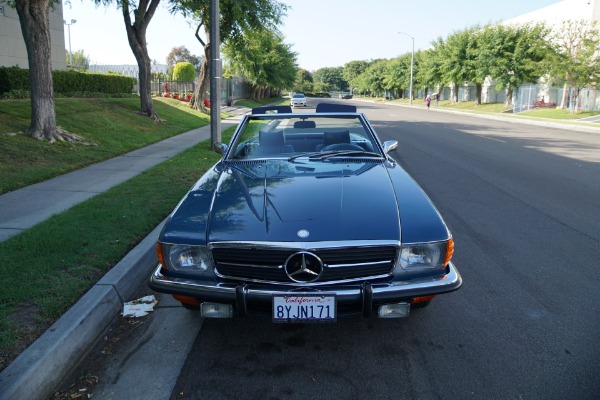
(15, 78)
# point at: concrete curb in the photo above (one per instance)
(40, 369)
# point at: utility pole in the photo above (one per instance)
(215, 74)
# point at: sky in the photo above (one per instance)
(323, 33)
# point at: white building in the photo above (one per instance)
(12, 46)
(555, 14)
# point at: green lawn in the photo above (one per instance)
(47, 268)
(555, 113)
(113, 125)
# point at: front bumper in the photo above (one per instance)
(352, 298)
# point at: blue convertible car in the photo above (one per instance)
(305, 218)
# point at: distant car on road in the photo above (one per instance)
(347, 96)
(306, 217)
(298, 99)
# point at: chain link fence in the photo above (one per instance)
(232, 89)
(535, 96)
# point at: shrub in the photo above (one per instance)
(67, 82)
(184, 71)
(13, 78)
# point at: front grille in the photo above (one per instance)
(267, 264)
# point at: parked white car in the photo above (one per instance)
(298, 99)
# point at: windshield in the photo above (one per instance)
(292, 137)
(298, 96)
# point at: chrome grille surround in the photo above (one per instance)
(343, 262)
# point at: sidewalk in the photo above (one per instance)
(26, 207)
(38, 370)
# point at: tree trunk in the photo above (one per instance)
(455, 93)
(478, 90)
(35, 26)
(136, 34)
(509, 96)
(197, 101)
(575, 108)
(255, 90)
(564, 97)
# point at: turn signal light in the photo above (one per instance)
(159, 254)
(449, 251)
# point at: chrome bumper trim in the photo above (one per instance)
(381, 292)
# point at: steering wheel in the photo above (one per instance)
(342, 146)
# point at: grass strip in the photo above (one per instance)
(47, 268)
(113, 124)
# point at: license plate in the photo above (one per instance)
(304, 308)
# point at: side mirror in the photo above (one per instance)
(390, 145)
(221, 148)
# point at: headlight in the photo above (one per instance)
(185, 258)
(417, 257)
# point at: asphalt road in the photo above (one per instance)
(523, 203)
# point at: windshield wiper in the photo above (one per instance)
(343, 153)
(322, 155)
(309, 155)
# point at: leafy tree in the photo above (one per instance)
(397, 73)
(428, 71)
(352, 70)
(326, 79)
(182, 54)
(237, 18)
(263, 58)
(35, 27)
(453, 53)
(373, 77)
(478, 62)
(303, 82)
(517, 53)
(142, 12)
(80, 60)
(575, 60)
(184, 71)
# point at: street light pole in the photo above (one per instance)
(69, 30)
(215, 74)
(412, 63)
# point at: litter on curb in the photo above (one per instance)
(140, 307)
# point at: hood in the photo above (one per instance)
(287, 202)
